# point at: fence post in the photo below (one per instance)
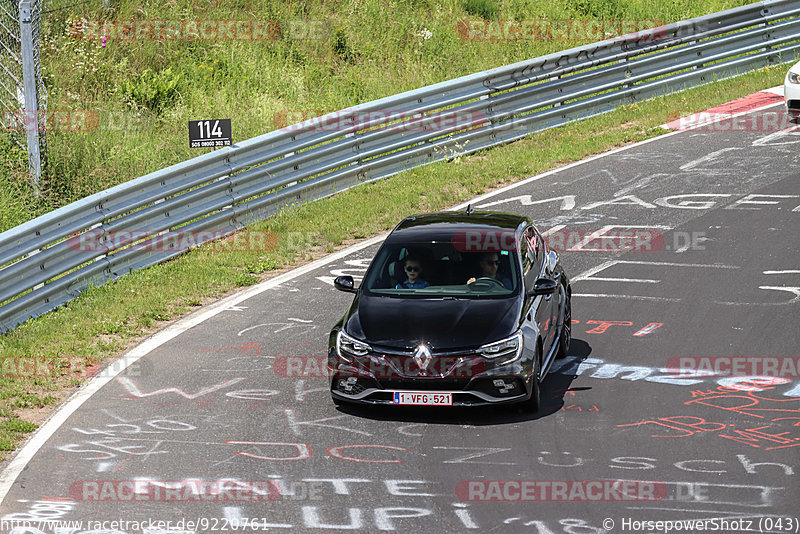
(31, 119)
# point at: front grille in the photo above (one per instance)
(380, 350)
(396, 366)
(793, 104)
(422, 384)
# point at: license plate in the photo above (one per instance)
(418, 398)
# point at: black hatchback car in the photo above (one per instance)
(456, 309)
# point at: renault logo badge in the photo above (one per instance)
(423, 357)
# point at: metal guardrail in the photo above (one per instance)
(44, 264)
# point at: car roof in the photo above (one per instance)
(442, 225)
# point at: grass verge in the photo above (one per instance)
(72, 342)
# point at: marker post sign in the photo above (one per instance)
(210, 133)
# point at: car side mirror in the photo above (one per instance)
(345, 283)
(543, 286)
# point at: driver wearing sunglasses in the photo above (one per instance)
(413, 269)
(490, 263)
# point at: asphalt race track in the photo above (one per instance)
(623, 437)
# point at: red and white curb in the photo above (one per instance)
(729, 110)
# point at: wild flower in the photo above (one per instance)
(424, 34)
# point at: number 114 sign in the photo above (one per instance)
(210, 133)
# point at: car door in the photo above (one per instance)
(540, 307)
(541, 252)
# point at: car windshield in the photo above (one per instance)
(436, 269)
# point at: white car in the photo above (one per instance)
(791, 91)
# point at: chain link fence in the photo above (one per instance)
(24, 97)
(23, 113)
(12, 100)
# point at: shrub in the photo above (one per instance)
(152, 90)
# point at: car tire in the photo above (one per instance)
(533, 403)
(565, 336)
(337, 401)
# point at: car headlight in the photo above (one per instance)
(794, 77)
(509, 349)
(348, 347)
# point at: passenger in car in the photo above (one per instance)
(413, 269)
(489, 264)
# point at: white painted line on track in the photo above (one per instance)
(588, 274)
(43, 433)
(629, 297)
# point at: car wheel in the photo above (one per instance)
(337, 401)
(532, 404)
(565, 337)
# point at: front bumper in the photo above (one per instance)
(473, 381)
(791, 92)
(376, 396)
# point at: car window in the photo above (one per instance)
(533, 265)
(539, 251)
(440, 269)
(526, 256)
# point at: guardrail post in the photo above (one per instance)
(31, 119)
(767, 39)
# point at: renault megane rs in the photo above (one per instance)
(455, 309)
